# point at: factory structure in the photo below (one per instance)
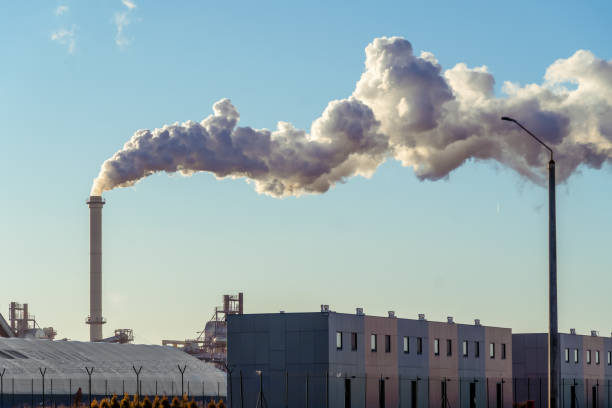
(211, 343)
(23, 324)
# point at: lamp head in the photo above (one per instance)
(507, 118)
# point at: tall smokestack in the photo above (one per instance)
(95, 319)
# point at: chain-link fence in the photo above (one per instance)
(308, 390)
(317, 390)
(57, 392)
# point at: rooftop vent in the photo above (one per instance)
(324, 308)
(449, 319)
(594, 333)
(572, 331)
(421, 316)
(359, 311)
(391, 313)
(476, 322)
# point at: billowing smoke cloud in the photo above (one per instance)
(404, 106)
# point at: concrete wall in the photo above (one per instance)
(498, 369)
(413, 366)
(304, 346)
(530, 367)
(347, 365)
(381, 365)
(472, 366)
(443, 368)
(278, 344)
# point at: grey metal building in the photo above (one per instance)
(586, 369)
(328, 359)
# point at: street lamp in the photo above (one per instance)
(553, 331)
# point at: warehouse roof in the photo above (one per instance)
(113, 363)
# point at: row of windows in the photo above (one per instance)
(419, 345)
(465, 348)
(587, 356)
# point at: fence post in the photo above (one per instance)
(42, 374)
(182, 370)
(70, 391)
(137, 372)
(286, 389)
(32, 394)
(540, 391)
(459, 391)
(230, 397)
(89, 373)
(487, 392)
(2, 388)
(307, 388)
(241, 392)
(326, 389)
(365, 390)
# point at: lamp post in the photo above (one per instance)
(553, 331)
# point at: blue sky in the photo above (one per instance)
(471, 246)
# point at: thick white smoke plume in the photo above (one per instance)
(404, 106)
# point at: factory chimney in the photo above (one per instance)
(95, 319)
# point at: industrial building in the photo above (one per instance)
(586, 369)
(211, 343)
(330, 359)
(65, 365)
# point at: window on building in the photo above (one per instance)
(406, 344)
(464, 348)
(588, 356)
(373, 342)
(338, 340)
(492, 350)
(387, 343)
(597, 357)
(503, 351)
(567, 355)
(609, 357)
(449, 347)
(419, 345)
(437, 347)
(353, 341)
(477, 349)
(576, 358)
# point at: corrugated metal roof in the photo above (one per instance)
(66, 361)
